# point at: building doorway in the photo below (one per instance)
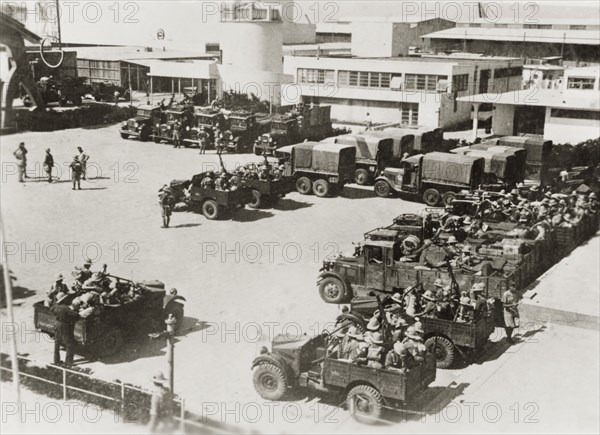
(529, 119)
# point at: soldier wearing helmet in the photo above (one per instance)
(430, 309)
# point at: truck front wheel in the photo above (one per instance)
(110, 343)
(321, 188)
(210, 209)
(431, 197)
(443, 350)
(332, 290)
(269, 382)
(362, 177)
(382, 189)
(304, 185)
(365, 403)
(448, 197)
(124, 136)
(257, 199)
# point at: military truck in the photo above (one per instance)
(435, 177)
(426, 139)
(212, 203)
(205, 119)
(303, 123)
(501, 167)
(373, 154)
(141, 126)
(105, 91)
(447, 339)
(404, 143)
(68, 90)
(317, 167)
(296, 362)
(245, 127)
(164, 132)
(103, 332)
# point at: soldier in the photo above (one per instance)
(373, 327)
(334, 346)
(431, 307)
(161, 405)
(411, 301)
(56, 288)
(375, 353)
(167, 201)
(593, 202)
(83, 274)
(177, 135)
(358, 355)
(399, 358)
(465, 309)
(439, 287)
(21, 155)
(350, 344)
(77, 169)
(478, 301)
(414, 344)
(48, 164)
(203, 136)
(444, 307)
(66, 316)
(83, 159)
(208, 181)
(368, 122)
(222, 183)
(510, 301)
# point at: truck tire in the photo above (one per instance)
(431, 197)
(124, 136)
(110, 343)
(304, 185)
(257, 199)
(145, 134)
(332, 290)
(257, 151)
(269, 382)
(211, 210)
(321, 188)
(382, 189)
(77, 100)
(448, 197)
(362, 177)
(156, 139)
(443, 350)
(365, 403)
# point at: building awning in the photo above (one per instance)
(576, 100)
(548, 36)
(185, 70)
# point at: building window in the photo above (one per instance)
(319, 76)
(460, 82)
(577, 27)
(575, 114)
(580, 83)
(364, 79)
(537, 26)
(508, 72)
(422, 82)
(409, 113)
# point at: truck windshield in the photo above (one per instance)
(143, 112)
(238, 123)
(205, 120)
(279, 126)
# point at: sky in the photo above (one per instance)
(187, 24)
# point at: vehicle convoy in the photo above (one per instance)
(209, 200)
(318, 167)
(67, 90)
(426, 140)
(245, 127)
(435, 177)
(447, 339)
(104, 331)
(179, 117)
(311, 123)
(205, 120)
(142, 125)
(404, 143)
(373, 154)
(302, 362)
(500, 165)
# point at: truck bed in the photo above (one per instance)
(471, 335)
(45, 321)
(282, 186)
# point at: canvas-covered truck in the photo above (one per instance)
(426, 139)
(500, 166)
(319, 168)
(245, 127)
(301, 362)
(104, 331)
(373, 154)
(404, 143)
(435, 177)
(142, 124)
(311, 123)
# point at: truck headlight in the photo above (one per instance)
(270, 139)
(187, 128)
(136, 125)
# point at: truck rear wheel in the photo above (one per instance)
(362, 177)
(431, 197)
(257, 199)
(110, 343)
(365, 403)
(210, 209)
(443, 350)
(269, 382)
(382, 189)
(304, 185)
(321, 188)
(332, 290)
(448, 197)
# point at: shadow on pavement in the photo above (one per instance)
(246, 215)
(494, 350)
(185, 226)
(19, 292)
(285, 204)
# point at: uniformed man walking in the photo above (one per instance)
(166, 203)
(77, 169)
(66, 316)
(49, 164)
(161, 406)
(21, 155)
(83, 159)
(510, 301)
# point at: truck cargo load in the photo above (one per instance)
(403, 142)
(452, 168)
(426, 139)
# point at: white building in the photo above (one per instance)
(408, 90)
(570, 114)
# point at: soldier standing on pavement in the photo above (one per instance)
(49, 164)
(510, 301)
(21, 155)
(83, 159)
(77, 169)
(66, 316)
(177, 135)
(166, 204)
(161, 406)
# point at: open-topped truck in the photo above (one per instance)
(142, 124)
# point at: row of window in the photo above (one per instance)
(575, 114)
(422, 82)
(364, 79)
(508, 72)
(409, 113)
(581, 83)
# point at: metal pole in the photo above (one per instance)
(170, 322)
(58, 25)
(129, 80)
(11, 319)
(64, 384)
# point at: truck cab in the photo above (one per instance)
(244, 127)
(284, 131)
(176, 115)
(142, 124)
